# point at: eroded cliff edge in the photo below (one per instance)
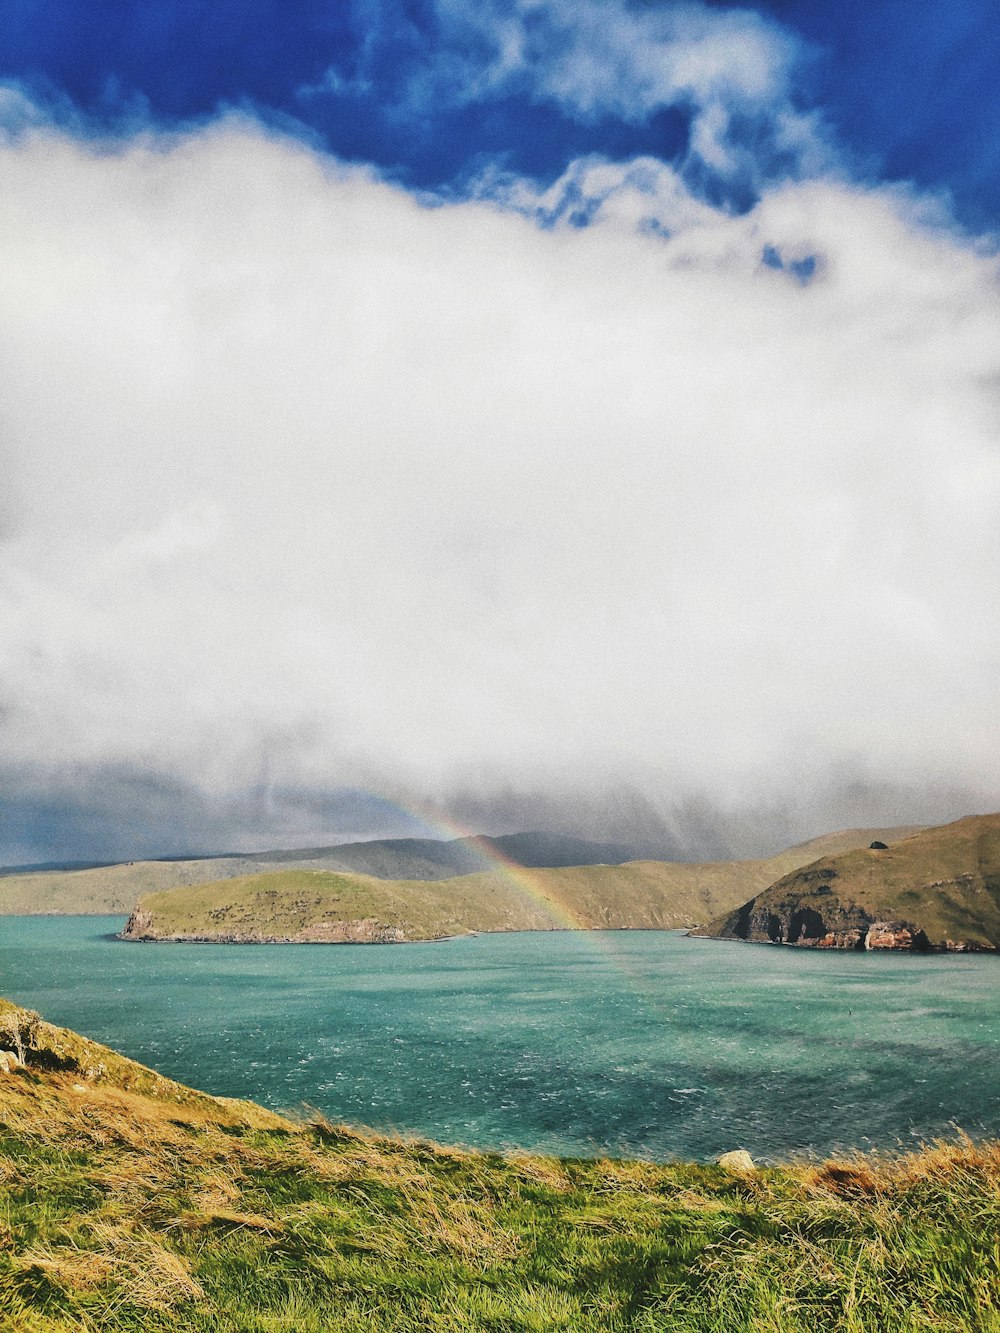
(936, 891)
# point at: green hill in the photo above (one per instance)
(131, 1204)
(939, 889)
(310, 906)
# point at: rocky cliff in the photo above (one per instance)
(938, 890)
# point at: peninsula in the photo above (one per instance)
(936, 890)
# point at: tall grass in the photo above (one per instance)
(154, 1208)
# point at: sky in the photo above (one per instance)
(423, 416)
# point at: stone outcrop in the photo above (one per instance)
(140, 926)
(896, 935)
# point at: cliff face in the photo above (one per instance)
(938, 890)
(836, 927)
(140, 926)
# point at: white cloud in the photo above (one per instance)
(732, 72)
(419, 497)
(600, 57)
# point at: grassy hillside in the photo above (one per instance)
(114, 890)
(307, 905)
(939, 888)
(129, 1204)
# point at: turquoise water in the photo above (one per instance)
(638, 1043)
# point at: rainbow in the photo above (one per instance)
(602, 943)
(515, 874)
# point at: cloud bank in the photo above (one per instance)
(310, 486)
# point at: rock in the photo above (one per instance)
(801, 925)
(840, 939)
(737, 1160)
(896, 935)
(139, 926)
(877, 846)
(366, 931)
(9, 1062)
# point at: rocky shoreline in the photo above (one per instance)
(848, 928)
(141, 929)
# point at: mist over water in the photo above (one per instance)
(634, 1043)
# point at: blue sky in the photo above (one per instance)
(560, 412)
(908, 88)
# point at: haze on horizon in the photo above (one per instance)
(530, 415)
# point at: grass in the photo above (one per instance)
(130, 1203)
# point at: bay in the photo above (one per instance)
(636, 1043)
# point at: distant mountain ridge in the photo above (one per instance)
(459, 856)
(462, 854)
(113, 889)
(936, 890)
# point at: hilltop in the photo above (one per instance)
(938, 889)
(310, 906)
(134, 1204)
(113, 889)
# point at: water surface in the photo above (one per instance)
(636, 1042)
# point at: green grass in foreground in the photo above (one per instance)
(130, 1203)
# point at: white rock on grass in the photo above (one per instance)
(738, 1160)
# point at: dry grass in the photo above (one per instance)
(136, 1268)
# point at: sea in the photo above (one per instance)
(612, 1043)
